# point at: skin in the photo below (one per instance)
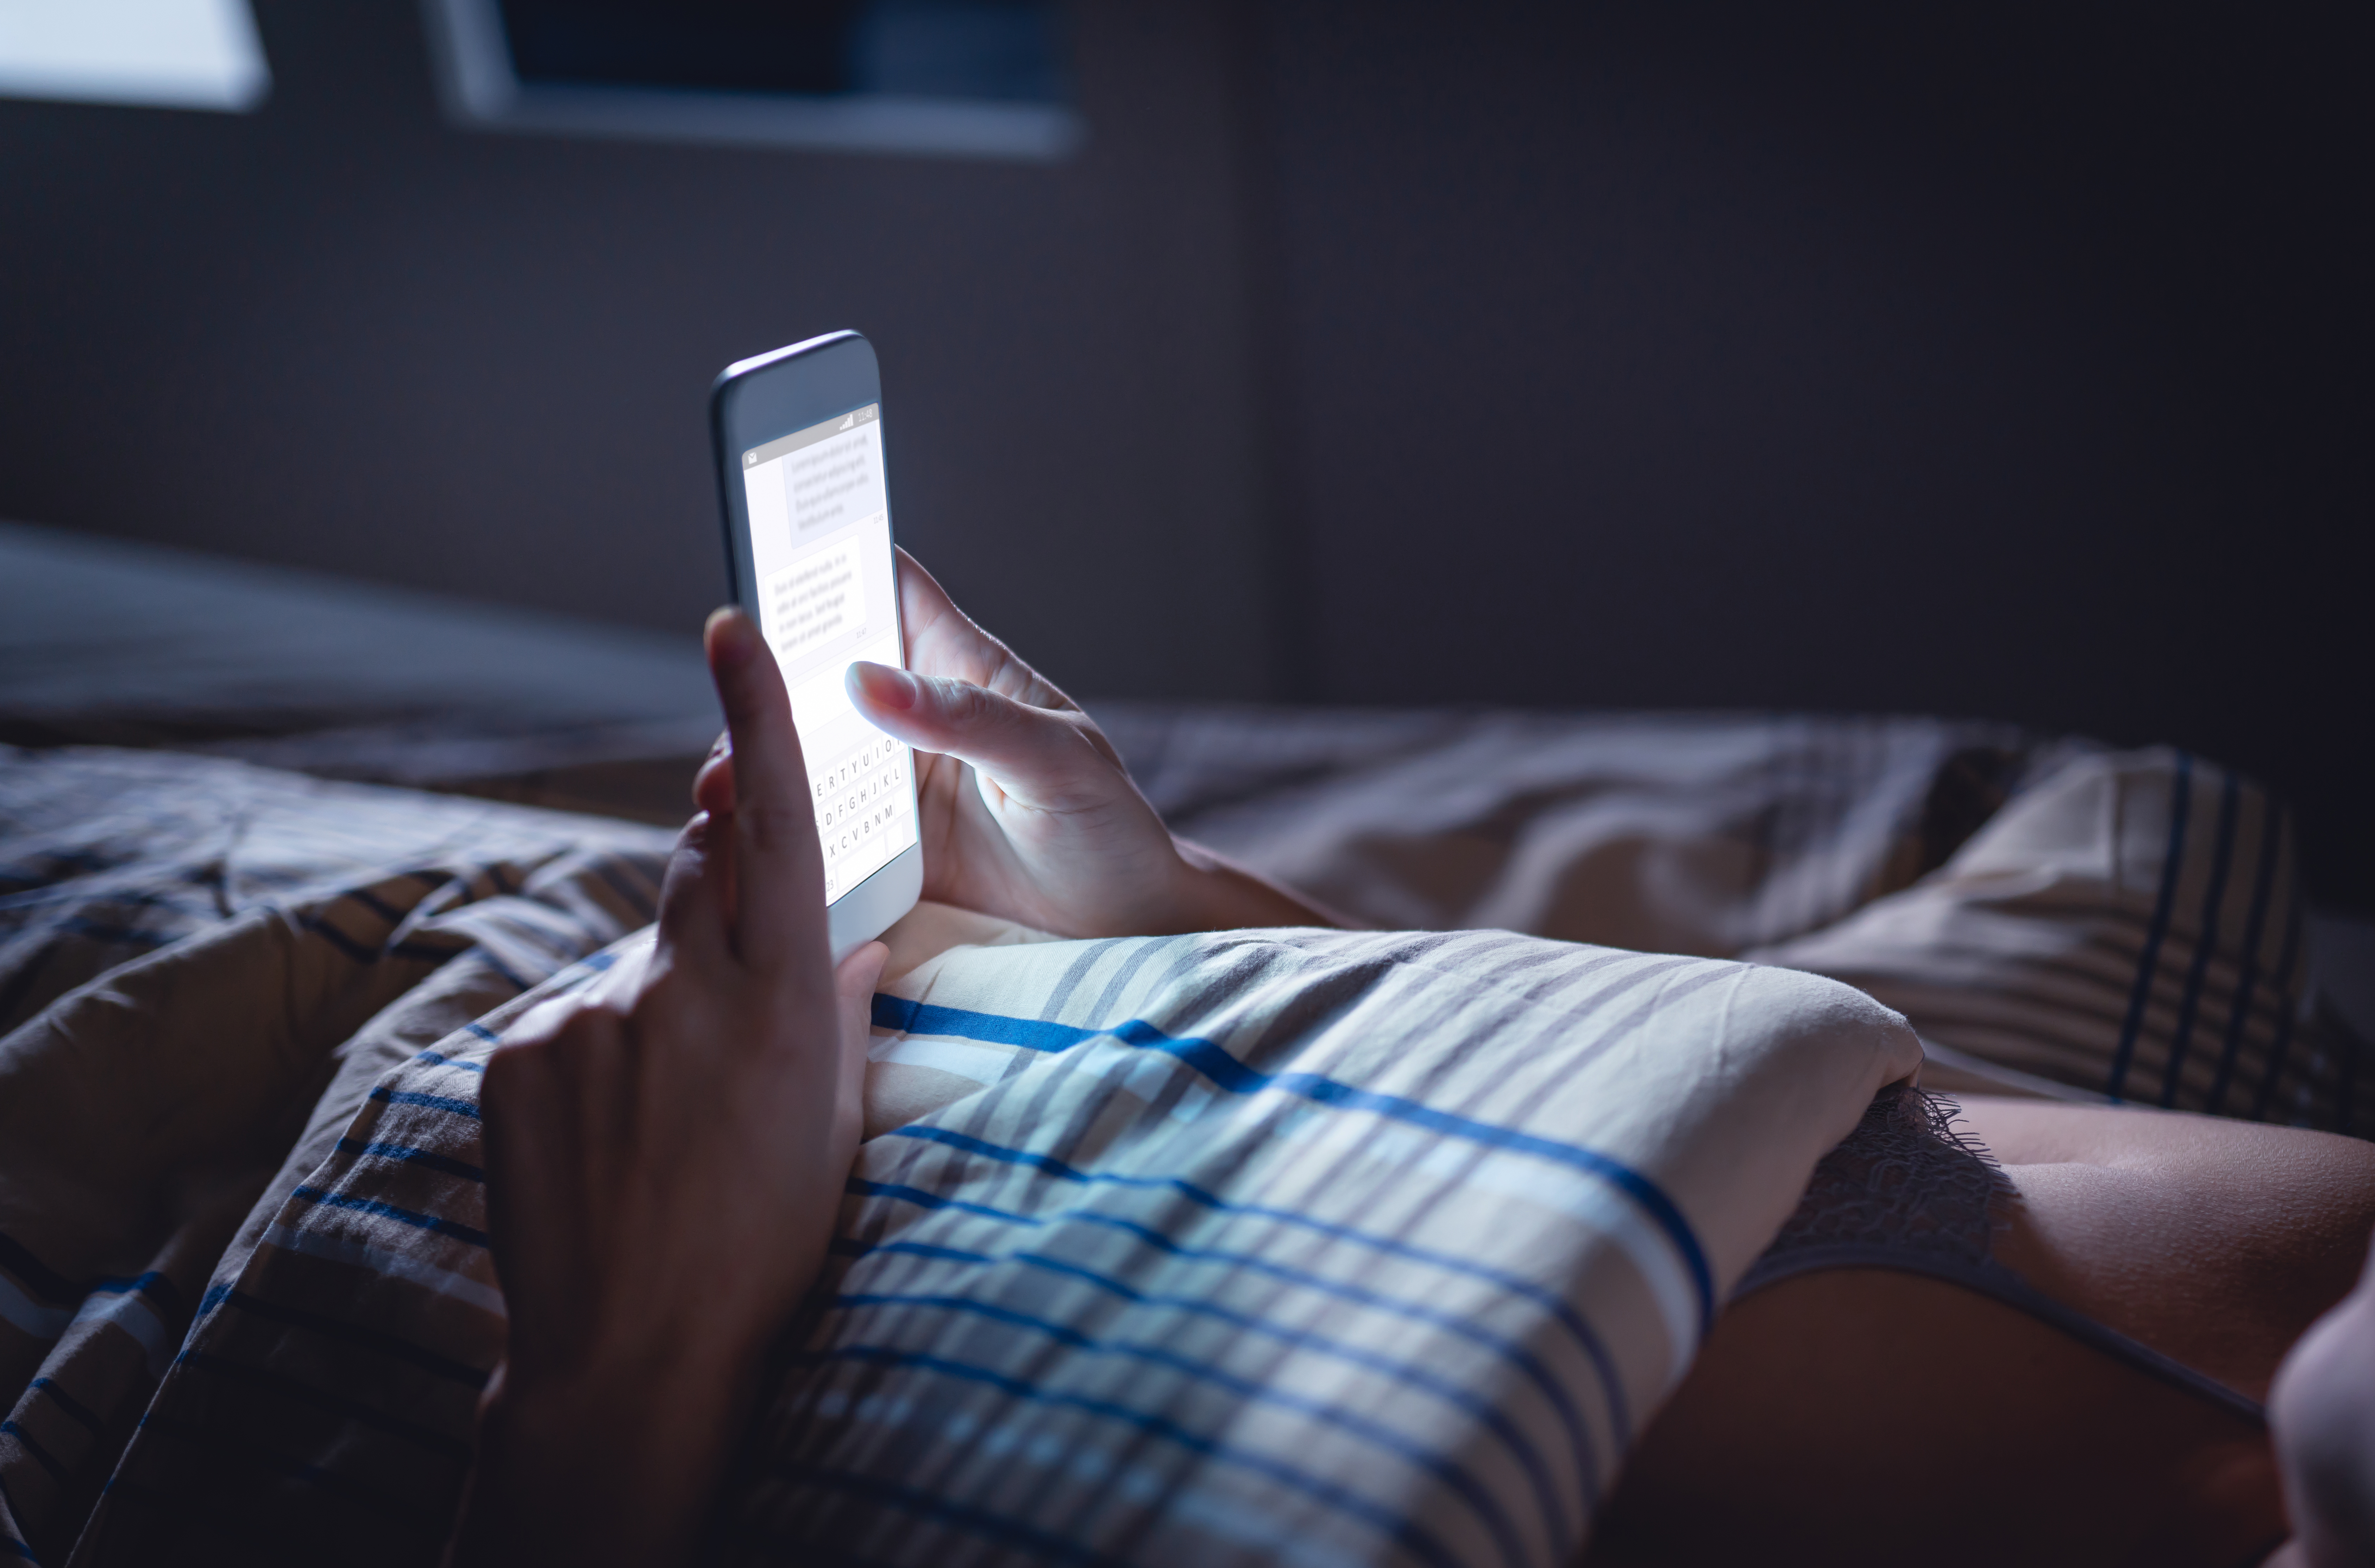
(2323, 1410)
(1024, 808)
(1872, 1417)
(731, 1062)
(1840, 1418)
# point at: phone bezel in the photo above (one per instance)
(757, 400)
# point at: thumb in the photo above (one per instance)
(1044, 758)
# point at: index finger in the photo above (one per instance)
(943, 640)
(778, 867)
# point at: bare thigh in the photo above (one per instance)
(1869, 1416)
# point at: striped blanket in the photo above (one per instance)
(1299, 1245)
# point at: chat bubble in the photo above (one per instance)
(834, 482)
(816, 599)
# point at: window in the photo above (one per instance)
(983, 78)
(166, 54)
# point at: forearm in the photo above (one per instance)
(1217, 894)
(603, 1470)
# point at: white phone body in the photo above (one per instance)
(798, 436)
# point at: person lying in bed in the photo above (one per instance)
(2087, 1396)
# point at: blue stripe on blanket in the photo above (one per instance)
(41, 1279)
(2238, 1016)
(1418, 1539)
(1483, 1410)
(39, 1455)
(377, 905)
(436, 1059)
(2180, 801)
(433, 1102)
(372, 1206)
(2287, 957)
(1226, 1072)
(1357, 1294)
(1612, 1387)
(360, 951)
(1517, 1356)
(81, 1414)
(423, 1157)
(1454, 1475)
(2213, 899)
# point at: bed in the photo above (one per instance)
(1159, 1249)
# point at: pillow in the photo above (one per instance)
(2128, 928)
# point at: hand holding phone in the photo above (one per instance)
(1027, 812)
(941, 764)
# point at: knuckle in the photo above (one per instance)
(549, 1054)
(509, 1071)
(1005, 670)
(969, 705)
(1011, 677)
(553, 1030)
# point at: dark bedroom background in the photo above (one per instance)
(2010, 361)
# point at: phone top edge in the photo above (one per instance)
(744, 395)
(740, 368)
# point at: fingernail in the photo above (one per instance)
(887, 687)
(728, 635)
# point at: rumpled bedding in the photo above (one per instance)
(1340, 1247)
(2056, 917)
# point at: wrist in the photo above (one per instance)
(1217, 894)
(599, 1465)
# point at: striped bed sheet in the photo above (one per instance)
(1337, 1247)
(2056, 917)
(204, 969)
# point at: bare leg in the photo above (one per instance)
(1868, 1416)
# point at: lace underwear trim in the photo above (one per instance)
(1907, 1191)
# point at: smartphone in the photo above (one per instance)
(799, 434)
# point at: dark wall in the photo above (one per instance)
(344, 333)
(1977, 359)
(1986, 359)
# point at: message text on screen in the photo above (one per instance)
(821, 550)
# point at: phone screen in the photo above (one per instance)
(827, 593)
